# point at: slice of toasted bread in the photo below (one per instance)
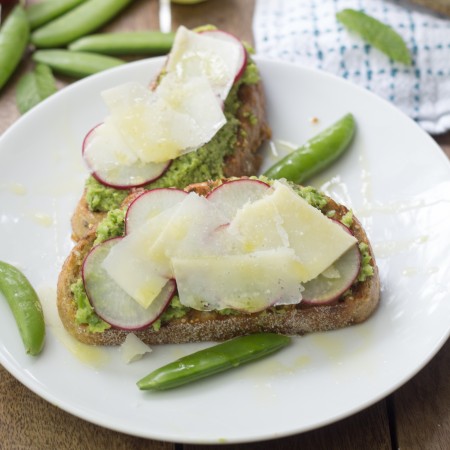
(212, 326)
(244, 159)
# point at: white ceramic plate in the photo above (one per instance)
(395, 178)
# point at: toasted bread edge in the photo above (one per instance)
(211, 326)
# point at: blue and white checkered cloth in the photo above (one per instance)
(307, 31)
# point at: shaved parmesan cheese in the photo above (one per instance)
(196, 54)
(261, 258)
(248, 282)
(133, 348)
(113, 162)
(316, 240)
(141, 263)
(146, 129)
(190, 231)
(107, 150)
(259, 226)
(284, 219)
(177, 118)
(232, 195)
(137, 271)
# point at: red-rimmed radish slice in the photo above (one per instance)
(150, 204)
(113, 304)
(89, 136)
(333, 282)
(232, 195)
(225, 36)
(113, 164)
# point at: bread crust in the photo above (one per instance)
(244, 161)
(211, 326)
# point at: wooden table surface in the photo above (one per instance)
(416, 416)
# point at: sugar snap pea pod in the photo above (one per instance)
(25, 306)
(212, 360)
(40, 13)
(75, 64)
(13, 41)
(318, 153)
(126, 43)
(76, 23)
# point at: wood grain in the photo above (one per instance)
(234, 16)
(422, 407)
(28, 422)
(444, 141)
(440, 6)
(368, 429)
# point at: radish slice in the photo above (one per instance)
(113, 163)
(225, 36)
(229, 197)
(150, 204)
(333, 282)
(111, 302)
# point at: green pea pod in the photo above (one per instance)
(75, 64)
(317, 154)
(13, 41)
(25, 306)
(213, 360)
(126, 43)
(40, 13)
(76, 23)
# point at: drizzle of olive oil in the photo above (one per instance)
(93, 356)
(42, 219)
(17, 188)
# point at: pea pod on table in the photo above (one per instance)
(25, 306)
(212, 360)
(126, 43)
(13, 41)
(75, 64)
(40, 13)
(76, 23)
(317, 154)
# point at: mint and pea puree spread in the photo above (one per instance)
(206, 163)
(114, 225)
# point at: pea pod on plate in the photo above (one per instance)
(13, 40)
(317, 154)
(212, 360)
(25, 306)
(76, 23)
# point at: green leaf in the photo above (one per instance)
(376, 33)
(34, 87)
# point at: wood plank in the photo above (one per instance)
(368, 429)
(444, 141)
(422, 406)
(28, 422)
